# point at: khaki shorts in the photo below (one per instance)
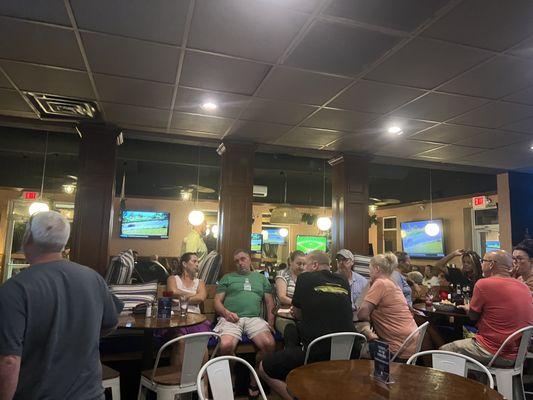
(252, 326)
(471, 348)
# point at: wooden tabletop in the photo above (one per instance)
(432, 310)
(352, 380)
(141, 322)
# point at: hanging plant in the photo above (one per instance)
(373, 220)
(309, 219)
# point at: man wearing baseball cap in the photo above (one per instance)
(358, 283)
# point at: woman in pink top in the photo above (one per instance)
(386, 308)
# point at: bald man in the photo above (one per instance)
(500, 306)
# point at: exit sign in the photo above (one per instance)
(479, 202)
(30, 195)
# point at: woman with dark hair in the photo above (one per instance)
(523, 262)
(467, 274)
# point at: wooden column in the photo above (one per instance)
(235, 202)
(349, 204)
(93, 216)
(515, 210)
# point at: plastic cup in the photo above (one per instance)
(184, 306)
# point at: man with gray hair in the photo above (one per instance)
(52, 315)
(501, 305)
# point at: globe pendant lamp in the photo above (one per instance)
(324, 222)
(197, 217)
(431, 228)
(40, 205)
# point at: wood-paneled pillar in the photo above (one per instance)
(515, 209)
(235, 202)
(93, 215)
(349, 204)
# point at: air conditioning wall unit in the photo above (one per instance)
(260, 191)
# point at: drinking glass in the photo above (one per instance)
(184, 306)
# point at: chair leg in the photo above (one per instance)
(518, 388)
(166, 395)
(504, 382)
(142, 392)
(115, 391)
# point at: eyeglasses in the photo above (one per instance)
(340, 258)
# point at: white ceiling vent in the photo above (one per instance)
(57, 107)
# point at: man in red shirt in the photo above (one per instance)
(500, 305)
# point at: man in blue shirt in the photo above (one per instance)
(358, 283)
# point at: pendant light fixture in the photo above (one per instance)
(324, 222)
(431, 228)
(197, 217)
(40, 205)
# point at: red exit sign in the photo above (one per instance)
(479, 202)
(30, 195)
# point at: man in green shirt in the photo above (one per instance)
(238, 302)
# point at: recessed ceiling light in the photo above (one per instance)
(531, 147)
(395, 130)
(209, 106)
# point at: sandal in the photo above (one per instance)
(253, 392)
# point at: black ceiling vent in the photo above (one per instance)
(49, 106)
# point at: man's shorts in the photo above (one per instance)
(278, 365)
(252, 326)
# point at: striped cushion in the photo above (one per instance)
(120, 269)
(362, 265)
(210, 268)
(132, 295)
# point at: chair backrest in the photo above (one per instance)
(421, 332)
(522, 348)
(341, 344)
(219, 374)
(195, 348)
(209, 268)
(453, 363)
(150, 271)
(120, 268)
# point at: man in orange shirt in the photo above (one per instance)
(501, 305)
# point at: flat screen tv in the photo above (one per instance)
(272, 236)
(256, 243)
(144, 224)
(307, 243)
(418, 244)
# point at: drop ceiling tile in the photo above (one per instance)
(276, 111)
(156, 20)
(205, 135)
(133, 115)
(514, 156)
(39, 44)
(259, 132)
(523, 49)
(299, 5)
(399, 14)
(339, 49)
(308, 137)
(426, 63)
(11, 100)
(211, 72)
(524, 96)
(49, 80)
(133, 91)
(439, 107)
(339, 120)
(301, 86)
(254, 30)
(52, 11)
(130, 57)
(409, 126)
(200, 123)
(493, 139)
(451, 152)
(446, 133)
(403, 148)
(4, 83)
(362, 143)
(525, 126)
(228, 104)
(489, 24)
(495, 115)
(494, 79)
(374, 97)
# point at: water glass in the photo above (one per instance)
(184, 306)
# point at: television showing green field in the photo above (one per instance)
(420, 242)
(309, 243)
(144, 224)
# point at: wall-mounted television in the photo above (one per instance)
(256, 243)
(418, 244)
(144, 224)
(273, 236)
(307, 243)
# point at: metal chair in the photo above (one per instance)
(421, 331)
(167, 382)
(111, 380)
(219, 374)
(454, 363)
(341, 344)
(504, 376)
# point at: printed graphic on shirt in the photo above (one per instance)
(334, 289)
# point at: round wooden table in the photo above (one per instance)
(352, 380)
(455, 318)
(148, 325)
